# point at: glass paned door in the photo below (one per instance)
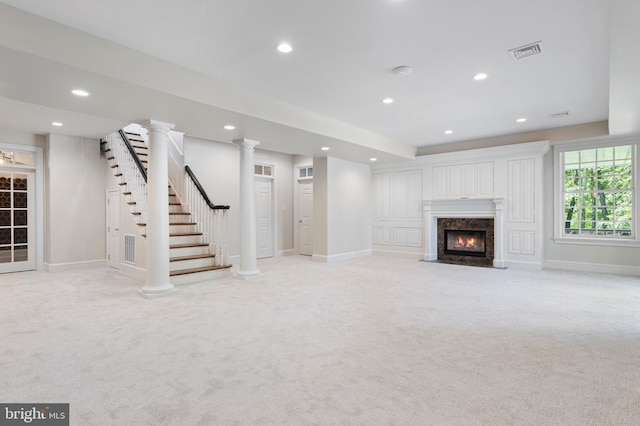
(17, 251)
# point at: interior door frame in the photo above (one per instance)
(270, 180)
(38, 170)
(296, 202)
(108, 191)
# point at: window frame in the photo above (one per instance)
(558, 187)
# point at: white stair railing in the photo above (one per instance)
(211, 219)
(132, 174)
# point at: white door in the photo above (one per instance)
(17, 220)
(305, 218)
(264, 217)
(113, 227)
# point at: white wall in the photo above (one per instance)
(74, 202)
(217, 164)
(342, 209)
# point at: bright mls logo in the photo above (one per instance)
(34, 414)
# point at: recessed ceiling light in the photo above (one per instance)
(325, 148)
(480, 76)
(448, 132)
(373, 159)
(521, 120)
(80, 92)
(229, 127)
(284, 47)
(387, 101)
(56, 123)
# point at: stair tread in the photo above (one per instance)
(185, 234)
(192, 257)
(194, 270)
(179, 214)
(178, 246)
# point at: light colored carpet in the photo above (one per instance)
(371, 341)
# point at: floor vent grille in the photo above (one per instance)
(129, 248)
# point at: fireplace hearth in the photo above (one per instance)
(466, 241)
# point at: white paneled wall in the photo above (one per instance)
(397, 200)
(471, 180)
(511, 173)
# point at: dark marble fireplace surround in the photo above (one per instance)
(467, 224)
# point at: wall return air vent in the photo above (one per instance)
(525, 51)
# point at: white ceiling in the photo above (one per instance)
(203, 63)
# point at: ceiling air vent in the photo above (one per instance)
(527, 50)
(559, 114)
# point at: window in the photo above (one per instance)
(263, 170)
(597, 193)
(306, 172)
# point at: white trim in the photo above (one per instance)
(593, 267)
(283, 253)
(340, 257)
(523, 265)
(526, 149)
(417, 255)
(39, 208)
(608, 242)
(132, 271)
(71, 266)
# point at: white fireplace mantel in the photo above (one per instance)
(463, 208)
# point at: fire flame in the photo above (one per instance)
(470, 243)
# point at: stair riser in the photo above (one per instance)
(200, 276)
(189, 239)
(177, 228)
(188, 251)
(175, 209)
(190, 264)
(180, 218)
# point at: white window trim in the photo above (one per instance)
(558, 182)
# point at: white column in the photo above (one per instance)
(498, 234)
(248, 256)
(157, 228)
(430, 233)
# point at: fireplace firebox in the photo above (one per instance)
(465, 243)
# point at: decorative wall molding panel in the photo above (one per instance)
(522, 242)
(522, 190)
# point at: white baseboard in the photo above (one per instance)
(133, 271)
(402, 254)
(282, 253)
(340, 257)
(70, 266)
(593, 267)
(518, 264)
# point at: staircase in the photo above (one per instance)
(194, 255)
